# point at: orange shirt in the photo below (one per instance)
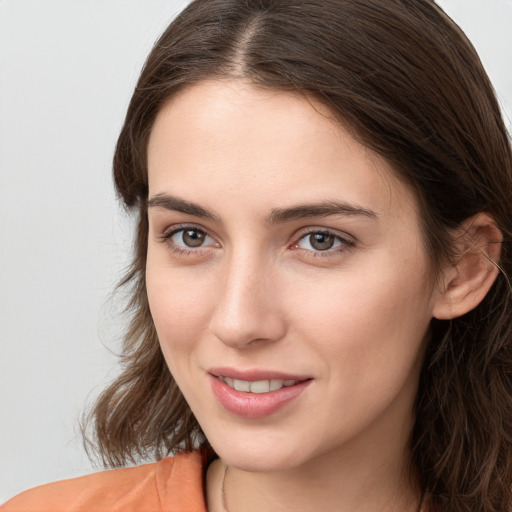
(171, 485)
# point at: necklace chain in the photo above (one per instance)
(223, 490)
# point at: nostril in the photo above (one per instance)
(240, 331)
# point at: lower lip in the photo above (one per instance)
(255, 405)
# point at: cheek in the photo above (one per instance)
(367, 323)
(179, 307)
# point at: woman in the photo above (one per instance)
(320, 295)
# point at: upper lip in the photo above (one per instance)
(255, 374)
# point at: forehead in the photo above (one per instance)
(232, 137)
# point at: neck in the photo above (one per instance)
(337, 482)
(324, 487)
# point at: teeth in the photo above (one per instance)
(242, 385)
(257, 386)
(275, 384)
(260, 386)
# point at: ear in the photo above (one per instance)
(465, 282)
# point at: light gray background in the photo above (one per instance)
(67, 69)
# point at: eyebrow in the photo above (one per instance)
(276, 216)
(323, 209)
(180, 205)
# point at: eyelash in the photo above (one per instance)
(344, 243)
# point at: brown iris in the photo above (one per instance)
(321, 241)
(193, 237)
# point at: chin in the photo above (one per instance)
(257, 454)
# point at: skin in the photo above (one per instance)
(258, 295)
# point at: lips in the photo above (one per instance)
(255, 394)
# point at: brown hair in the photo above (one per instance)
(406, 80)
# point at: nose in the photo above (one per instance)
(247, 309)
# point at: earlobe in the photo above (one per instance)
(465, 283)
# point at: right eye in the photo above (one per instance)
(187, 239)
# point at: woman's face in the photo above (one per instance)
(284, 260)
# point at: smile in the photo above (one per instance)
(257, 386)
(256, 397)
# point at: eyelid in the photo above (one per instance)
(320, 229)
(174, 228)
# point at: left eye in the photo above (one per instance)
(320, 242)
(191, 238)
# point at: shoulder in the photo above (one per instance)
(171, 485)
